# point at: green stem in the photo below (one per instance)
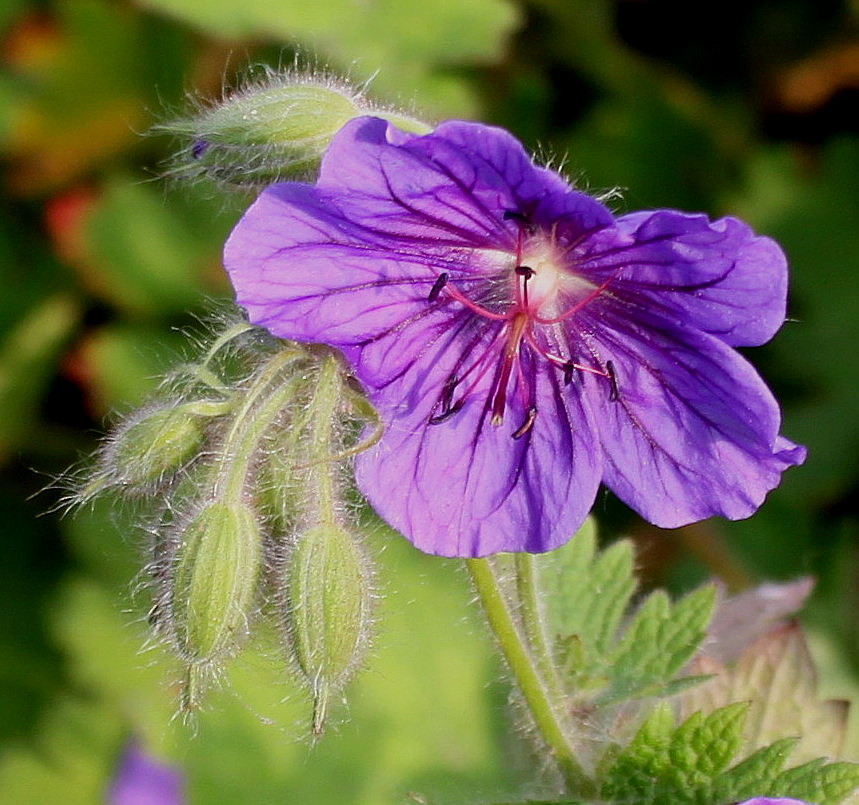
(547, 715)
(251, 421)
(323, 409)
(224, 338)
(532, 621)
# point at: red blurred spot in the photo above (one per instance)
(65, 217)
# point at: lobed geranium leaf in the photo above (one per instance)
(817, 781)
(638, 768)
(586, 594)
(702, 746)
(661, 638)
(754, 774)
(664, 765)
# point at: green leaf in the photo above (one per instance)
(704, 745)
(660, 639)
(402, 44)
(72, 759)
(637, 769)
(818, 782)
(28, 353)
(122, 363)
(754, 774)
(663, 765)
(147, 256)
(586, 594)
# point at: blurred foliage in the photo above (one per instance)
(102, 264)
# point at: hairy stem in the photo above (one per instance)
(323, 407)
(547, 712)
(533, 623)
(262, 404)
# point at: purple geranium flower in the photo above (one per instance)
(140, 780)
(520, 343)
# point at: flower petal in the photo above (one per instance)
(464, 487)
(716, 276)
(303, 272)
(694, 431)
(453, 186)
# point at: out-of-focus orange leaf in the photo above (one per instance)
(808, 85)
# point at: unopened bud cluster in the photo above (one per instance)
(271, 130)
(243, 459)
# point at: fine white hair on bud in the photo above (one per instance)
(238, 467)
(272, 129)
(154, 445)
(325, 611)
(212, 580)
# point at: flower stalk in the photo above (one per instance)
(529, 671)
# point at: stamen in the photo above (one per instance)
(520, 218)
(614, 394)
(446, 413)
(440, 282)
(568, 368)
(511, 352)
(530, 416)
(445, 401)
(526, 272)
(447, 391)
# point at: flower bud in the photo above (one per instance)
(326, 605)
(213, 580)
(157, 445)
(271, 131)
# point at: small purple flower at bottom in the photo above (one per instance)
(521, 344)
(773, 801)
(140, 780)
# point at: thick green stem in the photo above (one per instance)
(547, 713)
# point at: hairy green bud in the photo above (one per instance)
(213, 581)
(274, 130)
(147, 449)
(326, 607)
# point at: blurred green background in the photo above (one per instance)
(102, 264)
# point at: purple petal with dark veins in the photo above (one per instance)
(695, 430)
(715, 276)
(304, 272)
(453, 187)
(465, 487)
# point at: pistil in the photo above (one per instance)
(508, 358)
